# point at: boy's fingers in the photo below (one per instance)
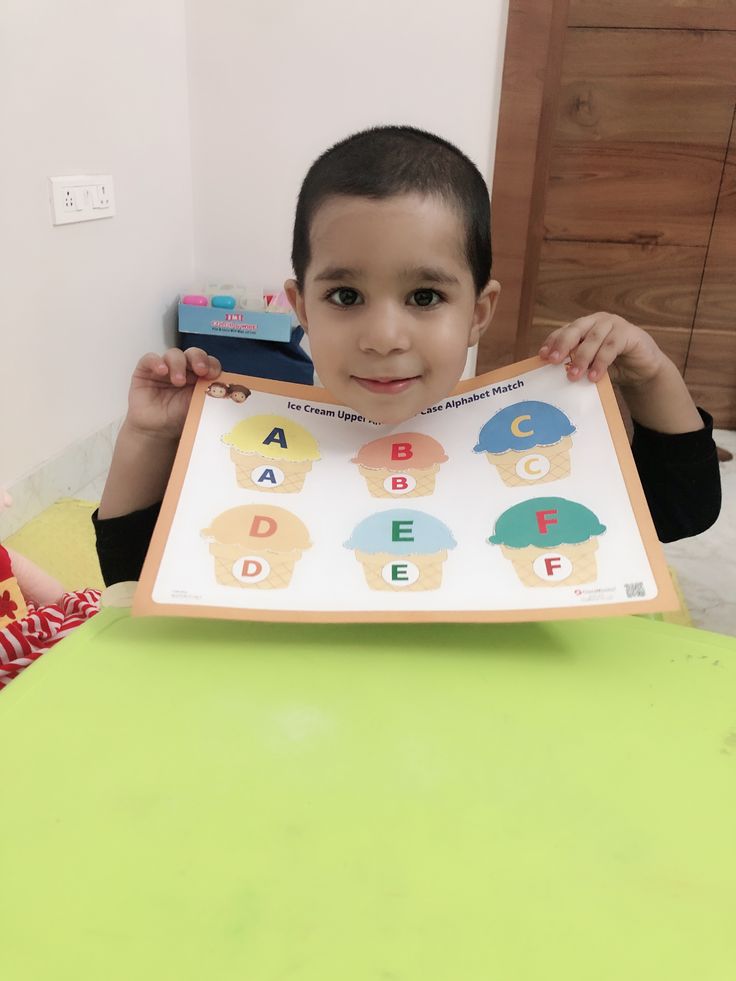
(152, 363)
(214, 367)
(561, 342)
(176, 362)
(196, 360)
(181, 367)
(201, 363)
(589, 346)
(599, 367)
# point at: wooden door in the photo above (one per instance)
(628, 200)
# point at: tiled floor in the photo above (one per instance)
(706, 565)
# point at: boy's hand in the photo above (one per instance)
(604, 342)
(161, 390)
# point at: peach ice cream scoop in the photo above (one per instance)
(256, 545)
(400, 465)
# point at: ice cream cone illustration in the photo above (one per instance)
(256, 546)
(401, 549)
(271, 453)
(550, 541)
(528, 443)
(403, 465)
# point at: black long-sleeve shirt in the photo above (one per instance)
(679, 474)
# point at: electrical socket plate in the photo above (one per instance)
(85, 197)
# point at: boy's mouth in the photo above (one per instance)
(386, 386)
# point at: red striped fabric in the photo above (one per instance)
(23, 642)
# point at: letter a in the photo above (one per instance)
(268, 476)
(276, 435)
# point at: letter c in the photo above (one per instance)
(516, 427)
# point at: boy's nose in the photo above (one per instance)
(385, 332)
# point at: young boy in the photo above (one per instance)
(392, 264)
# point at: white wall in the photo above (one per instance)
(226, 106)
(82, 302)
(274, 82)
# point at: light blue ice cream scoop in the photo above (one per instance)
(401, 531)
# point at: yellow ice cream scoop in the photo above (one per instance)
(273, 437)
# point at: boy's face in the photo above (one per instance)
(389, 303)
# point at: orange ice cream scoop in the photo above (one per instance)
(256, 526)
(402, 451)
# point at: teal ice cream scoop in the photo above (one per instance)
(545, 522)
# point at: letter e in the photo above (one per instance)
(402, 531)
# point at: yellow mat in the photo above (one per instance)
(61, 540)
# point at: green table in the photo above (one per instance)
(208, 800)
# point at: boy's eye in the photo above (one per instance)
(344, 296)
(425, 298)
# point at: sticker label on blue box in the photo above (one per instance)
(255, 324)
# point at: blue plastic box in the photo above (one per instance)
(255, 324)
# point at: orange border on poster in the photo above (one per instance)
(666, 599)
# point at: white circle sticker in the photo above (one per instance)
(399, 483)
(552, 567)
(268, 476)
(400, 573)
(533, 466)
(250, 569)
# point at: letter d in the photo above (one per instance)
(262, 526)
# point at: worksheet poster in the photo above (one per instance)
(515, 498)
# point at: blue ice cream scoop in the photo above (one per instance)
(522, 426)
(401, 531)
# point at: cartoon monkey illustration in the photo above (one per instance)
(238, 393)
(219, 390)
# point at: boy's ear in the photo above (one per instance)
(485, 307)
(296, 299)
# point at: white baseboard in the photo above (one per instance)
(62, 476)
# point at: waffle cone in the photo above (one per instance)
(294, 472)
(425, 481)
(281, 563)
(557, 454)
(430, 570)
(582, 556)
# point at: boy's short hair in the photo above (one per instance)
(388, 160)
